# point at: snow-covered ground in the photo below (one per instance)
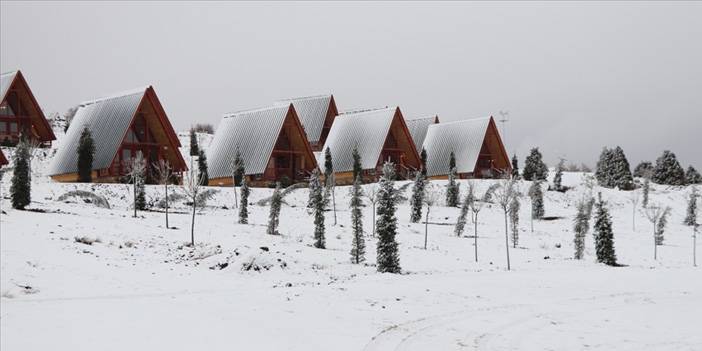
(140, 288)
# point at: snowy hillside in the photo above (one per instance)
(76, 275)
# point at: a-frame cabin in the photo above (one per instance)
(122, 126)
(271, 143)
(418, 129)
(379, 135)
(317, 114)
(20, 113)
(476, 144)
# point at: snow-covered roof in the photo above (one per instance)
(6, 80)
(107, 119)
(463, 138)
(253, 133)
(312, 111)
(366, 131)
(418, 129)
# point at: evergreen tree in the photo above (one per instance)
(692, 176)
(86, 150)
(358, 248)
(194, 147)
(423, 158)
(660, 226)
(691, 214)
(274, 215)
(465, 207)
(20, 190)
(534, 166)
(202, 168)
(604, 237)
(646, 188)
(141, 193)
(317, 209)
(238, 169)
(137, 171)
(668, 170)
(244, 208)
(515, 167)
(452, 190)
(514, 220)
(417, 198)
(357, 165)
(603, 172)
(581, 224)
(537, 200)
(643, 169)
(558, 178)
(388, 257)
(328, 171)
(621, 172)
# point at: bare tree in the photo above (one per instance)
(135, 171)
(163, 175)
(191, 185)
(332, 185)
(654, 213)
(476, 207)
(431, 196)
(634, 199)
(372, 194)
(505, 194)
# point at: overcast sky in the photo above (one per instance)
(573, 76)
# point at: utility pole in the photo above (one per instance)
(504, 119)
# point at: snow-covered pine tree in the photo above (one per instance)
(238, 172)
(534, 166)
(274, 215)
(465, 207)
(388, 258)
(692, 176)
(20, 188)
(603, 173)
(244, 208)
(668, 170)
(642, 169)
(430, 199)
(202, 167)
(660, 226)
(558, 178)
(536, 195)
(358, 243)
(328, 171)
(194, 147)
(514, 220)
(604, 237)
(417, 198)
(86, 150)
(515, 167)
(423, 157)
(357, 165)
(581, 224)
(505, 194)
(645, 189)
(452, 190)
(136, 171)
(317, 209)
(620, 171)
(691, 213)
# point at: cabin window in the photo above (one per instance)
(126, 154)
(13, 127)
(130, 137)
(282, 162)
(3, 127)
(6, 110)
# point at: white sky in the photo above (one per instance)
(574, 76)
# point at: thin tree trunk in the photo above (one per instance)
(374, 219)
(507, 241)
(166, 184)
(135, 196)
(532, 221)
(475, 237)
(694, 246)
(192, 224)
(633, 218)
(655, 243)
(333, 203)
(236, 197)
(426, 228)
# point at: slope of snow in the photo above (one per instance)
(139, 287)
